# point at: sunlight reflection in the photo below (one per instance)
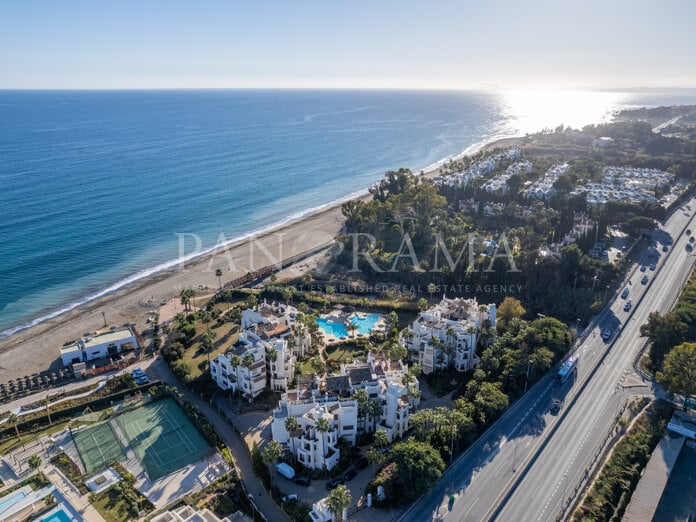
(533, 110)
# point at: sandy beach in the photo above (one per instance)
(36, 349)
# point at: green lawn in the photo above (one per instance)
(226, 335)
(111, 506)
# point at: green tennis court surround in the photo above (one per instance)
(162, 437)
(98, 446)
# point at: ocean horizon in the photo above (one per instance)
(97, 185)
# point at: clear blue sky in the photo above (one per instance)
(325, 43)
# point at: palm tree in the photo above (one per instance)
(451, 333)
(218, 274)
(431, 289)
(207, 343)
(374, 410)
(248, 361)
(252, 301)
(34, 462)
(47, 405)
(363, 399)
(206, 318)
(292, 426)
(381, 438)
(185, 297)
(330, 291)
(13, 419)
(235, 361)
(352, 327)
(271, 454)
(338, 501)
(323, 427)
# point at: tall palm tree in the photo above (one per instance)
(374, 410)
(248, 361)
(323, 427)
(47, 404)
(338, 500)
(13, 419)
(292, 426)
(218, 274)
(363, 399)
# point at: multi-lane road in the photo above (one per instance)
(528, 464)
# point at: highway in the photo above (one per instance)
(530, 462)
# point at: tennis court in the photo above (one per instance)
(97, 446)
(162, 437)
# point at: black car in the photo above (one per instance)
(556, 406)
(350, 474)
(361, 463)
(334, 483)
(302, 481)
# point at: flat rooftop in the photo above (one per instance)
(112, 336)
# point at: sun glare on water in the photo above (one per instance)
(533, 110)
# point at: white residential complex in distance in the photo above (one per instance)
(543, 187)
(446, 334)
(627, 184)
(477, 170)
(499, 184)
(265, 354)
(315, 441)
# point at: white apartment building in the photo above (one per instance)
(446, 334)
(333, 399)
(243, 368)
(271, 336)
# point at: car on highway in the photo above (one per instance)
(688, 231)
(644, 281)
(624, 294)
(627, 306)
(606, 334)
(691, 239)
(653, 266)
(302, 481)
(334, 483)
(643, 268)
(556, 406)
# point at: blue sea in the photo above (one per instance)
(96, 185)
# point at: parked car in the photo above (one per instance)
(292, 496)
(556, 406)
(350, 474)
(334, 483)
(302, 481)
(691, 239)
(606, 334)
(644, 281)
(362, 463)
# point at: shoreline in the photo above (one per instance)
(132, 298)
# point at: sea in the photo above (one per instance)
(97, 186)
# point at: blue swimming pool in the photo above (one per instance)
(338, 330)
(11, 500)
(365, 325)
(57, 516)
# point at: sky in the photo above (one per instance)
(436, 44)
